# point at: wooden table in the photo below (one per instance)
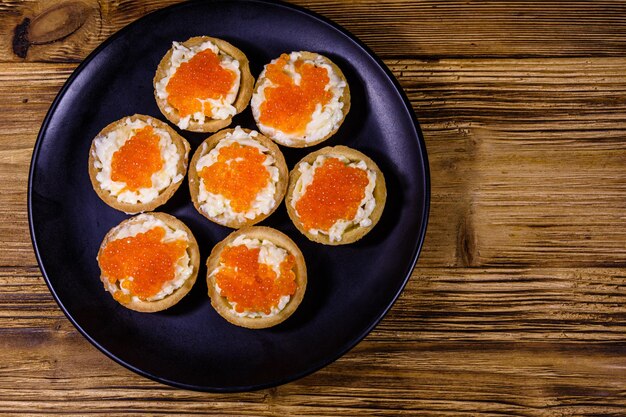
(518, 302)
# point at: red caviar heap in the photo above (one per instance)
(145, 257)
(200, 78)
(251, 285)
(334, 194)
(137, 159)
(238, 175)
(289, 107)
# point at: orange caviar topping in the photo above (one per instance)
(200, 78)
(238, 175)
(137, 159)
(253, 286)
(334, 194)
(287, 106)
(144, 257)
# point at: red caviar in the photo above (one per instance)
(137, 159)
(200, 78)
(238, 175)
(287, 106)
(144, 257)
(251, 285)
(334, 194)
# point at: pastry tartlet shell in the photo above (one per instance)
(182, 148)
(194, 259)
(345, 99)
(244, 94)
(221, 304)
(353, 233)
(206, 147)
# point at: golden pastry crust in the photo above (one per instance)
(345, 99)
(182, 148)
(246, 85)
(354, 232)
(177, 295)
(221, 304)
(207, 146)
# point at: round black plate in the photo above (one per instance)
(350, 288)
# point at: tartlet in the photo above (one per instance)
(336, 195)
(237, 177)
(300, 99)
(256, 277)
(137, 163)
(200, 84)
(149, 262)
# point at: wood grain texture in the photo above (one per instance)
(527, 159)
(25, 96)
(526, 342)
(392, 28)
(101, 20)
(518, 302)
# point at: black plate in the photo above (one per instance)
(350, 288)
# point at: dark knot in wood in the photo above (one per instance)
(49, 26)
(20, 38)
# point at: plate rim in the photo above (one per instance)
(348, 346)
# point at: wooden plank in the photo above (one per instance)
(527, 157)
(456, 304)
(527, 342)
(27, 92)
(404, 379)
(391, 28)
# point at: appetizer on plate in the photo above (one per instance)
(256, 277)
(300, 99)
(137, 163)
(336, 195)
(200, 84)
(149, 262)
(237, 177)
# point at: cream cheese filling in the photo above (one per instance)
(217, 206)
(183, 268)
(324, 119)
(107, 145)
(269, 254)
(220, 109)
(366, 207)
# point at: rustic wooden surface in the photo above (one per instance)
(518, 303)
